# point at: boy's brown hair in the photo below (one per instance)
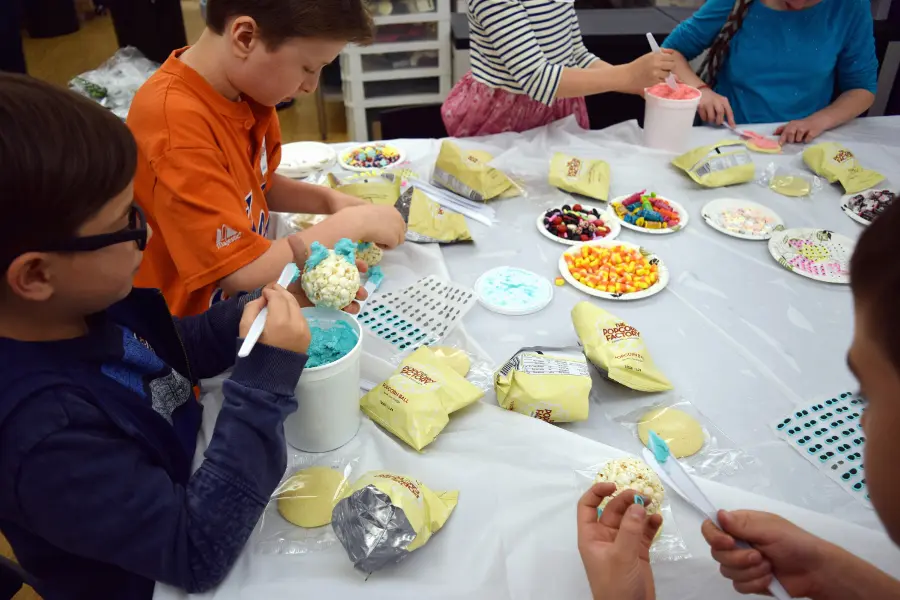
(62, 159)
(875, 278)
(281, 20)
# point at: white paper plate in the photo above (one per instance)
(611, 222)
(652, 290)
(712, 214)
(302, 159)
(512, 291)
(845, 206)
(682, 212)
(815, 253)
(349, 167)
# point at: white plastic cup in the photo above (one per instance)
(668, 123)
(328, 414)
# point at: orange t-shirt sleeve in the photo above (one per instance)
(203, 217)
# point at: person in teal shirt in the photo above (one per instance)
(780, 61)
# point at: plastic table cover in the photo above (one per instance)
(741, 338)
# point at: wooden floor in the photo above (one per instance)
(59, 59)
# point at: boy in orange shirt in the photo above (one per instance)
(209, 143)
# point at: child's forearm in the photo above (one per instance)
(577, 83)
(856, 579)
(684, 72)
(266, 269)
(290, 196)
(847, 107)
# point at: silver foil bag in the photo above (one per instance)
(373, 531)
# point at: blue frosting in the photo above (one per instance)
(317, 253)
(362, 246)
(329, 345)
(347, 249)
(658, 447)
(376, 275)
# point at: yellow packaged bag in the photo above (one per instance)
(428, 222)
(377, 189)
(580, 176)
(383, 517)
(712, 167)
(415, 402)
(550, 384)
(468, 174)
(834, 162)
(616, 349)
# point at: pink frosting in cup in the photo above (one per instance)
(684, 92)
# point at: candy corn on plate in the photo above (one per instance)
(614, 270)
(647, 212)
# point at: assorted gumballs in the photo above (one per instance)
(374, 156)
(575, 223)
(648, 211)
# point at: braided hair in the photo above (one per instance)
(718, 50)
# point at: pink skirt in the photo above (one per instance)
(473, 109)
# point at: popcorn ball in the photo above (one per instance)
(633, 474)
(369, 253)
(617, 269)
(648, 211)
(331, 278)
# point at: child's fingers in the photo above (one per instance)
(747, 574)
(715, 537)
(590, 501)
(361, 266)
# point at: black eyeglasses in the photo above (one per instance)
(136, 231)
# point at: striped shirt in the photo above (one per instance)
(522, 46)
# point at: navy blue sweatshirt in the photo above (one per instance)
(97, 436)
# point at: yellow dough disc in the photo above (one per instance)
(455, 358)
(308, 497)
(790, 185)
(681, 431)
(762, 149)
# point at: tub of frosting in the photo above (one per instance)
(327, 394)
(669, 116)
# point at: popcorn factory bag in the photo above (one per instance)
(580, 176)
(551, 384)
(377, 189)
(467, 173)
(834, 162)
(415, 402)
(712, 167)
(428, 222)
(383, 517)
(616, 349)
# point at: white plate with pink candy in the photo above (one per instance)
(742, 219)
(815, 253)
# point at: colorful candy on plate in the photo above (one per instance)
(618, 269)
(648, 211)
(371, 156)
(575, 223)
(868, 205)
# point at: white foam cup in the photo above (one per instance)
(668, 123)
(328, 415)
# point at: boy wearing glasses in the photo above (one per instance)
(98, 418)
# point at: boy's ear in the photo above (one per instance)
(244, 35)
(29, 277)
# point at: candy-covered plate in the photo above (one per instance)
(683, 217)
(657, 287)
(742, 219)
(847, 203)
(346, 158)
(614, 227)
(814, 253)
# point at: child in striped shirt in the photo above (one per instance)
(530, 68)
